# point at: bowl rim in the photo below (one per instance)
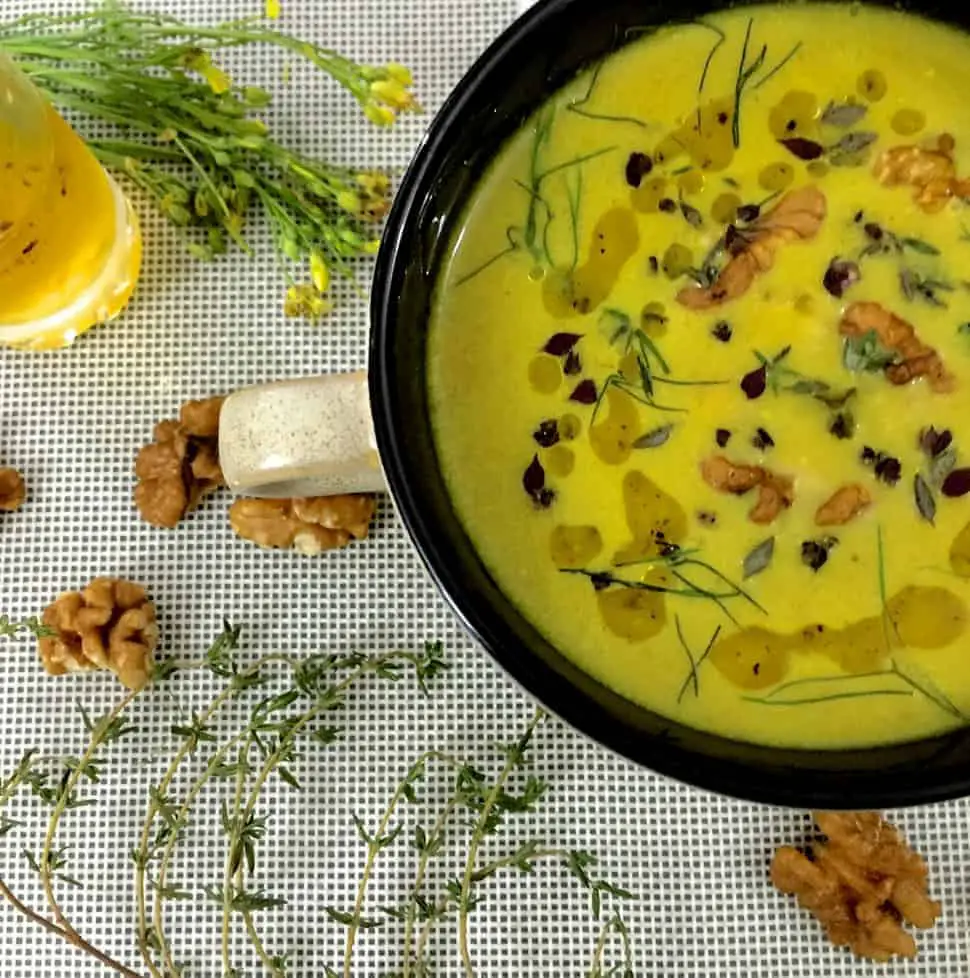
(870, 786)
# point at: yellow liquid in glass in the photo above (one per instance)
(70, 249)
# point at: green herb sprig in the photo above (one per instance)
(192, 139)
(295, 699)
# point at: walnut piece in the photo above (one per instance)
(861, 884)
(930, 172)
(109, 625)
(894, 333)
(844, 505)
(776, 492)
(796, 217)
(181, 465)
(310, 526)
(13, 490)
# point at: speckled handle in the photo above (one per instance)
(307, 437)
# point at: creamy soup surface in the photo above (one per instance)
(700, 371)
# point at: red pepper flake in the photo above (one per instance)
(762, 440)
(804, 149)
(585, 393)
(572, 364)
(547, 434)
(722, 331)
(840, 276)
(755, 383)
(534, 483)
(957, 483)
(638, 165)
(559, 344)
(935, 442)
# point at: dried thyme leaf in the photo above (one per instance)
(691, 215)
(759, 558)
(925, 502)
(656, 438)
(847, 149)
(942, 465)
(843, 115)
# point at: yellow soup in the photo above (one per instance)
(700, 369)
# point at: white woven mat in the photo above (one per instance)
(73, 421)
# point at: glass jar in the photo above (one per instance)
(70, 248)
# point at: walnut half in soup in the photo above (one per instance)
(700, 374)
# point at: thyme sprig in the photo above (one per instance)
(294, 701)
(193, 141)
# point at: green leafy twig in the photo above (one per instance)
(192, 140)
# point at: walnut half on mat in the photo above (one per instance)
(310, 526)
(13, 490)
(862, 884)
(109, 625)
(181, 465)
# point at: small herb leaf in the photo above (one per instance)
(919, 246)
(866, 354)
(925, 502)
(759, 558)
(843, 115)
(656, 438)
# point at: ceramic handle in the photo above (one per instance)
(307, 437)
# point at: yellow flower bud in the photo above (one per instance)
(392, 93)
(319, 273)
(218, 80)
(400, 73)
(348, 201)
(272, 9)
(372, 247)
(380, 115)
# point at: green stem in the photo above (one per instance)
(60, 807)
(424, 861)
(227, 872)
(477, 838)
(66, 934)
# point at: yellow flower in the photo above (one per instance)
(304, 300)
(392, 93)
(319, 273)
(374, 184)
(349, 201)
(200, 62)
(400, 73)
(380, 115)
(272, 9)
(372, 247)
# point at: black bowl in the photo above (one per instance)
(537, 55)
